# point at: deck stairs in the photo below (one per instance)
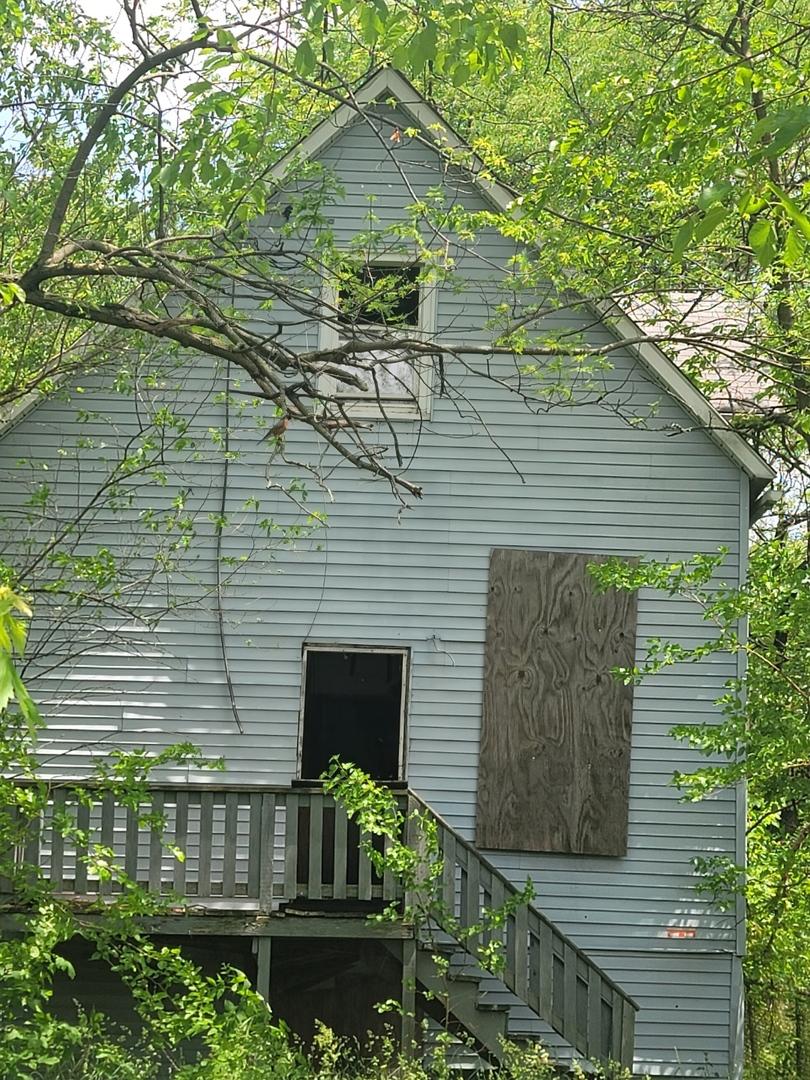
(539, 965)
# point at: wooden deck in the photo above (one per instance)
(280, 861)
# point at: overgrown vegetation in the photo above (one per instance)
(662, 153)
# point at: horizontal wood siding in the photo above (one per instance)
(496, 472)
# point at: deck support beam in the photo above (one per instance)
(263, 946)
(409, 996)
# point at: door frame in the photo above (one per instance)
(344, 647)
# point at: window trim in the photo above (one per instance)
(419, 408)
(338, 646)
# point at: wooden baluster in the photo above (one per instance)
(263, 837)
(180, 840)
(206, 840)
(32, 844)
(230, 845)
(255, 847)
(569, 1031)
(364, 891)
(486, 905)
(83, 825)
(626, 1050)
(156, 846)
(496, 899)
(533, 989)
(291, 848)
(105, 885)
(448, 847)
(57, 840)
(263, 957)
(341, 853)
(594, 1048)
(391, 888)
(408, 1029)
(315, 860)
(520, 952)
(415, 840)
(131, 844)
(472, 905)
(546, 972)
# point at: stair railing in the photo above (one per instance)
(539, 963)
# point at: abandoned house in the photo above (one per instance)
(288, 607)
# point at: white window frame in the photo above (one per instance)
(419, 407)
(388, 650)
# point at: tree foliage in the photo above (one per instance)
(659, 154)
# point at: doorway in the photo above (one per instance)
(354, 708)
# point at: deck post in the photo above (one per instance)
(409, 995)
(263, 947)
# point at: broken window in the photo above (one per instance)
(353, 708)
(382, 300)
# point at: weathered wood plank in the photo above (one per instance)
(520, 952)
(616, 1027)
(180, 841)
(472, 902)
(364, 890)
(448, 846)
(156, 845)
(107, 836)
(206, 840)
(315, 861)
(263, 958)
(263, 845)
(497, 896)
(291, 848)
(390, 886)
(555, 738)
(627, 1052)
(594, 1032)
(570, 1027)
(230, 837)
(57, 839)
(131, 844)
(32, 844)
(546, 969)
(408, 1030)
(241, 925)
(341, 853)
(83, 826)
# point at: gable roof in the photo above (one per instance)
(388, 84)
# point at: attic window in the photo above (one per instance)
(390, 300)
(386, 296)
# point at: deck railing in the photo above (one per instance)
(540, 964)
(255, 849)
(252, 849)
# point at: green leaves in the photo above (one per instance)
(13, 636)
(422, 48)
(762, 238)
(305, 60)
(778, 132)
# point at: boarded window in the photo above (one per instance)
(555, 741)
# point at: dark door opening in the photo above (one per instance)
(354, 708)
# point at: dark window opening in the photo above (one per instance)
(353, 708)
(381, 296)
